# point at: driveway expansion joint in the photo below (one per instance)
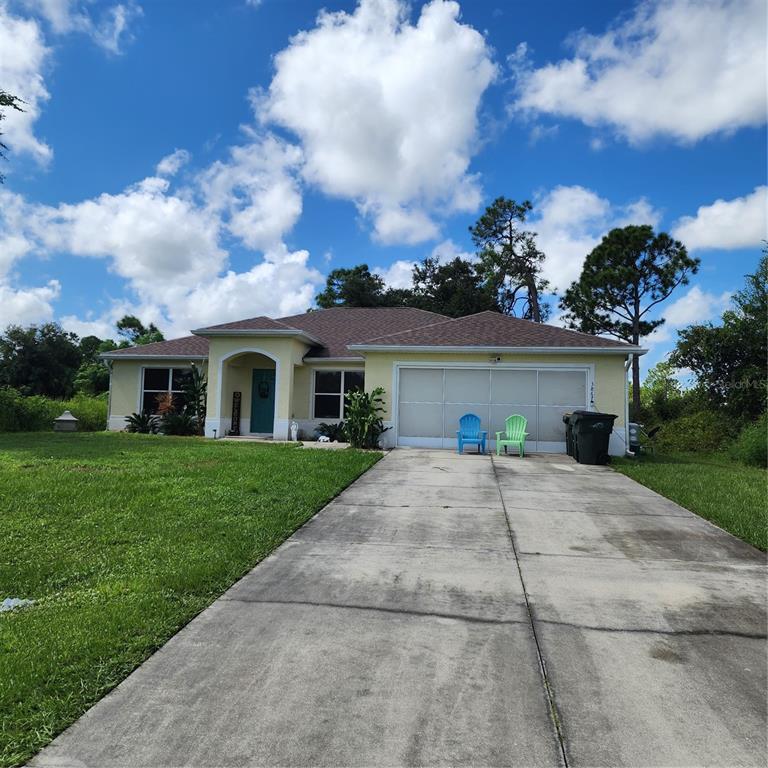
(549, 693)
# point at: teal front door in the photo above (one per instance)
(263, 400)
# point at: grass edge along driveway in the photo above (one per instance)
(121, 540)
(727, 493)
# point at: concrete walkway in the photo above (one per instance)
(450, 610)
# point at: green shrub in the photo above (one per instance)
(751, 446)
(364, 425)
(36, 413)
(696, 432)
(91, 412)
(141, 423)
(181, 424)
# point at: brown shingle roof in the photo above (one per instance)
(335, 328)
(492, 329)
(192, 346)
(340, 326)
(261, 323)
(387, 326)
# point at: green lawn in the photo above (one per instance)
(729, 494)
(120, 540)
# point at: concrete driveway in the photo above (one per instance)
(463, 611)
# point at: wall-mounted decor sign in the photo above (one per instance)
(236, 401)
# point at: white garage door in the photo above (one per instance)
(432, 400)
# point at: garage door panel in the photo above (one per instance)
(467, 386)
(499, 414)
(551, 426)
(421, 419)
(563, 388)
(453, 412)
(421, 385)
(515, 387)
(541, 395)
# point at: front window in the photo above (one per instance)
(330, 388)
(160, 381)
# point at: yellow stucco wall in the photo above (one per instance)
(302, 384)
(284, 352)
(609, 374)
(294, 384)
(125, 396)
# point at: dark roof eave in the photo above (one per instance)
(624, 349)
(260, 332)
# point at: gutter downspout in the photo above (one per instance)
(109, 396)
(627, 365)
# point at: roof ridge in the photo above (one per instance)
(412, 330)
(329, 309)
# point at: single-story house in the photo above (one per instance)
(432, 368)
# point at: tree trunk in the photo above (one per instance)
(533, 298)
(635, 358)
(635, 387)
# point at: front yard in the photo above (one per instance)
(120, 540)
(729, 494)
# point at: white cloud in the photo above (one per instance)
(24, 306)
(448, 251)
(153, 239)
(386, 111)
(281, 284)
(695, 306)
(171, 164)
(109, 30)
(256, 190)
(167, 245)
(399, 274)
(571, 221)
(14, 242)
(738, 223)
(103, 327)
(23, 55)
(680, 68)
(400, 225)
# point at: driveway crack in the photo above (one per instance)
(379, 609)
(554, 714)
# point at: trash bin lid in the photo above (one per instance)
(592, 415)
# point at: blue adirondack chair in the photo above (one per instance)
(469, 432)
(514, 434)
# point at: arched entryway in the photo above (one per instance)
(248, 397)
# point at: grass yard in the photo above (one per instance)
(731, 495)
(122, 539)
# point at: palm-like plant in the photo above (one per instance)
(195, 397)
(142, 423)
(364, 425)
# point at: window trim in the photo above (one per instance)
(313, 393)
(170, 368)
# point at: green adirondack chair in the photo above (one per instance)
(515, 434)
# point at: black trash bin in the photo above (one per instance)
(591, 433)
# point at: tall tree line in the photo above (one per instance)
(47, 360)
(505, 275)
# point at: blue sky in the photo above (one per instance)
(197, 162)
